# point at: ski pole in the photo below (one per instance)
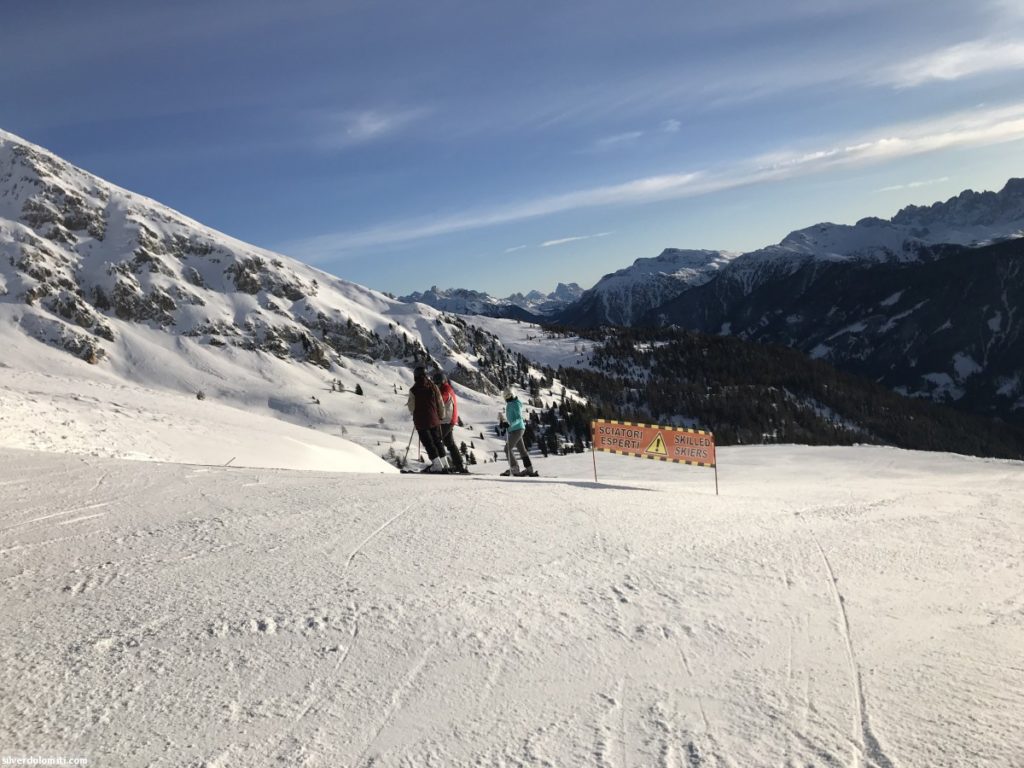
(405, 460)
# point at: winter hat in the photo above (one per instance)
(419, 373)
(508, 394)
(440, 378)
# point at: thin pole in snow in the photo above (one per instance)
(593, 455)
(716, 476)
(405, 460)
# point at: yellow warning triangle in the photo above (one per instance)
(657, 446)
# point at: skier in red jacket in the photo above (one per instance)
(451, 411)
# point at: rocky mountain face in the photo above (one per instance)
(86, 265)
(545, 304)
(631, 295)
(970, 217)
(947, 326)
(622, 297)
(531, 307)
(927, 302)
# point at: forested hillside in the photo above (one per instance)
(748, 393)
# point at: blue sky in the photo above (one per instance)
(507, 147)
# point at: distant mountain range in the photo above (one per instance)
(532, 306)
(625, 296)
(152, 297)
(929, 302)
(946, 325)
(632, 296)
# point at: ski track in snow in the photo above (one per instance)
(818, 610)
(867, 744)
(373, 535)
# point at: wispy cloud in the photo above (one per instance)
(963, 129)
(914, 184)
(957, 62)
(727, 83)
(618, 140)
(628, 138)
(630, 192)
(345, 129)
(564, 240)
(515, 248)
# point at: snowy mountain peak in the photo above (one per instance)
(81, 253)
(567, 292)
(527, 306)
(868, 238)
(636, 292)
(674, 260)
(970, 216)
(624, 296)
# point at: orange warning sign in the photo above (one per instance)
(650, 441)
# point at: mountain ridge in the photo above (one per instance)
(628, 295)
(532, 306)
(946, 326)
(91, 266)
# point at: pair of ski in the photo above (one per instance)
(424, 472)
(508, 473)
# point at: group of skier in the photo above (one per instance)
(435, 412)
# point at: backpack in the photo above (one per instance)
(448, 410)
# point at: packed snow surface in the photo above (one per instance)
(832, 607)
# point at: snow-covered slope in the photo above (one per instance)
(291, 419)
(107, 417)
(538, 344)
(83, 254)
(152, 298)
(833, 607)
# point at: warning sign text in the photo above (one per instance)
(675, 444)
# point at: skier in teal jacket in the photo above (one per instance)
(514, 440)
